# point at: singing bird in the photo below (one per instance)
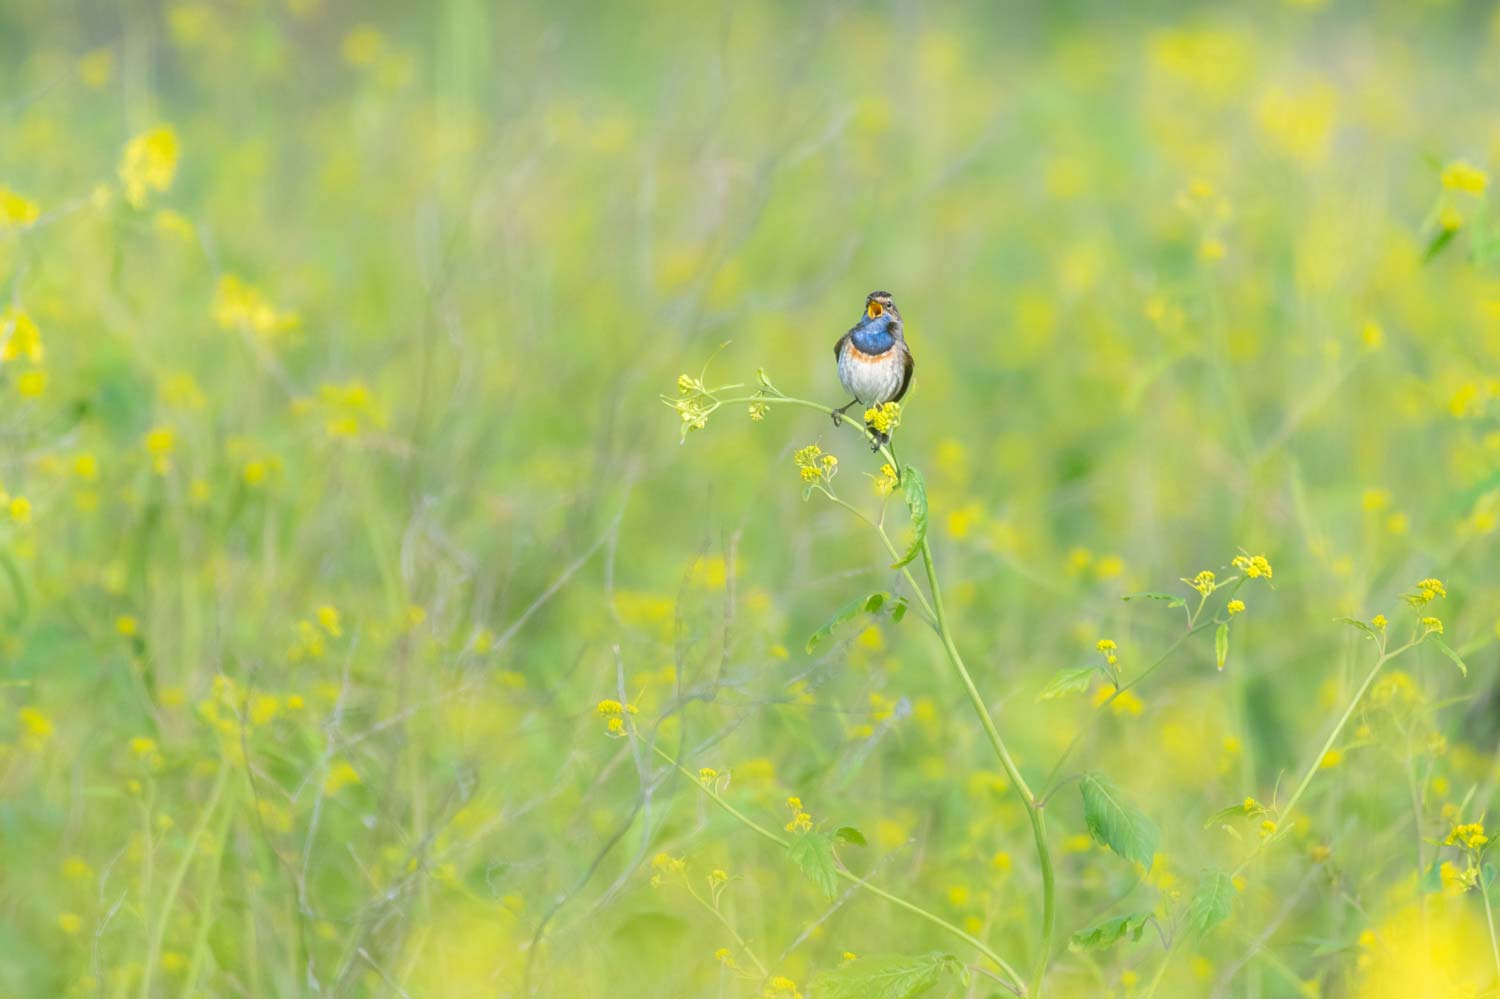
(874, 362)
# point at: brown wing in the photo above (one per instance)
(907, 363)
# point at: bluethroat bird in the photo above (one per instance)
(874, 362)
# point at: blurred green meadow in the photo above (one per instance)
(356, 587)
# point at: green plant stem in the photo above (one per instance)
(1033, 808)
(189, 854)
(850, 876)
(857, 424)
(1314, 765)
(714, 911)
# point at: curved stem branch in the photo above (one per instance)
(1033, 809)
(850, 876)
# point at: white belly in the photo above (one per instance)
(871, 381)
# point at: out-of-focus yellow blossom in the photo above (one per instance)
(16, 212)
(70, 923)
(341, 774)
(1461, 175)
(19, 337)
(240, 305)
(149, 164)
(781, 987)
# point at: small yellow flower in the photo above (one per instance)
(1331, 759)
(16, 212)
(148, 164)
(340, 775)
(1432, 625)
(20, 509)
(615, 726)
(126, 625)
(886, 481)
(328, 617)
(1235, 607)
(1267, 829)
(1461, 175)
(1379, 622)
(708, 774)
(1253, 566)
(781, 987)
(606, 708)
(884, 419)
(70, 923)
(723, 956)
(1203, 582)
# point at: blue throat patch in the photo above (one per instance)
(871, 340)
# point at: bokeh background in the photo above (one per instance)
(337, 490)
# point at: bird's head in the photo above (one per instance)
(881, 313)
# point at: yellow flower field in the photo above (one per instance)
(428, 567)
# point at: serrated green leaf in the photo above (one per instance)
(1067, 681)
(1221, 643)
(1438, 243)
(851, 835)
(1109, 932)
(1212, 901)
(884, 976)
(1240, 811)
(813, 852)
(1447, 650)
(1172, 599)
(1116, 823)
(1364, 626)
(870, 604)
(916, 505)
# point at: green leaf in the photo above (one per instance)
(1171, 598)
(1240, 811)
(1438, 243)
(1447, 650)
(870, 604)
(1110, 931)
(850, 835)
(1221, 643)
(1212, 901)
(1364, 626)
(1116, 823)
(884, 976)
(916, 504)
(898, 611)
(813, 852)
(1067, 681)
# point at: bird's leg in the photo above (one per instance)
(880, 439)
(838, 414)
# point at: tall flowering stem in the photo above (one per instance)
(695, 403)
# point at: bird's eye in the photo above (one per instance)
(874, 309)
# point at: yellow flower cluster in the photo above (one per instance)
(884, 419)
(1426, 592)
(1109, 649)
(801, 821)
(1253, 566)
(148, 164)
(781, 987)
(886, 481)
(1470, 835)
(694, 403)
(1235, 607)
(613, 713)
(242, 306)
(1461, 175)
(1203, 582)
(815, 466)
(16, 212)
